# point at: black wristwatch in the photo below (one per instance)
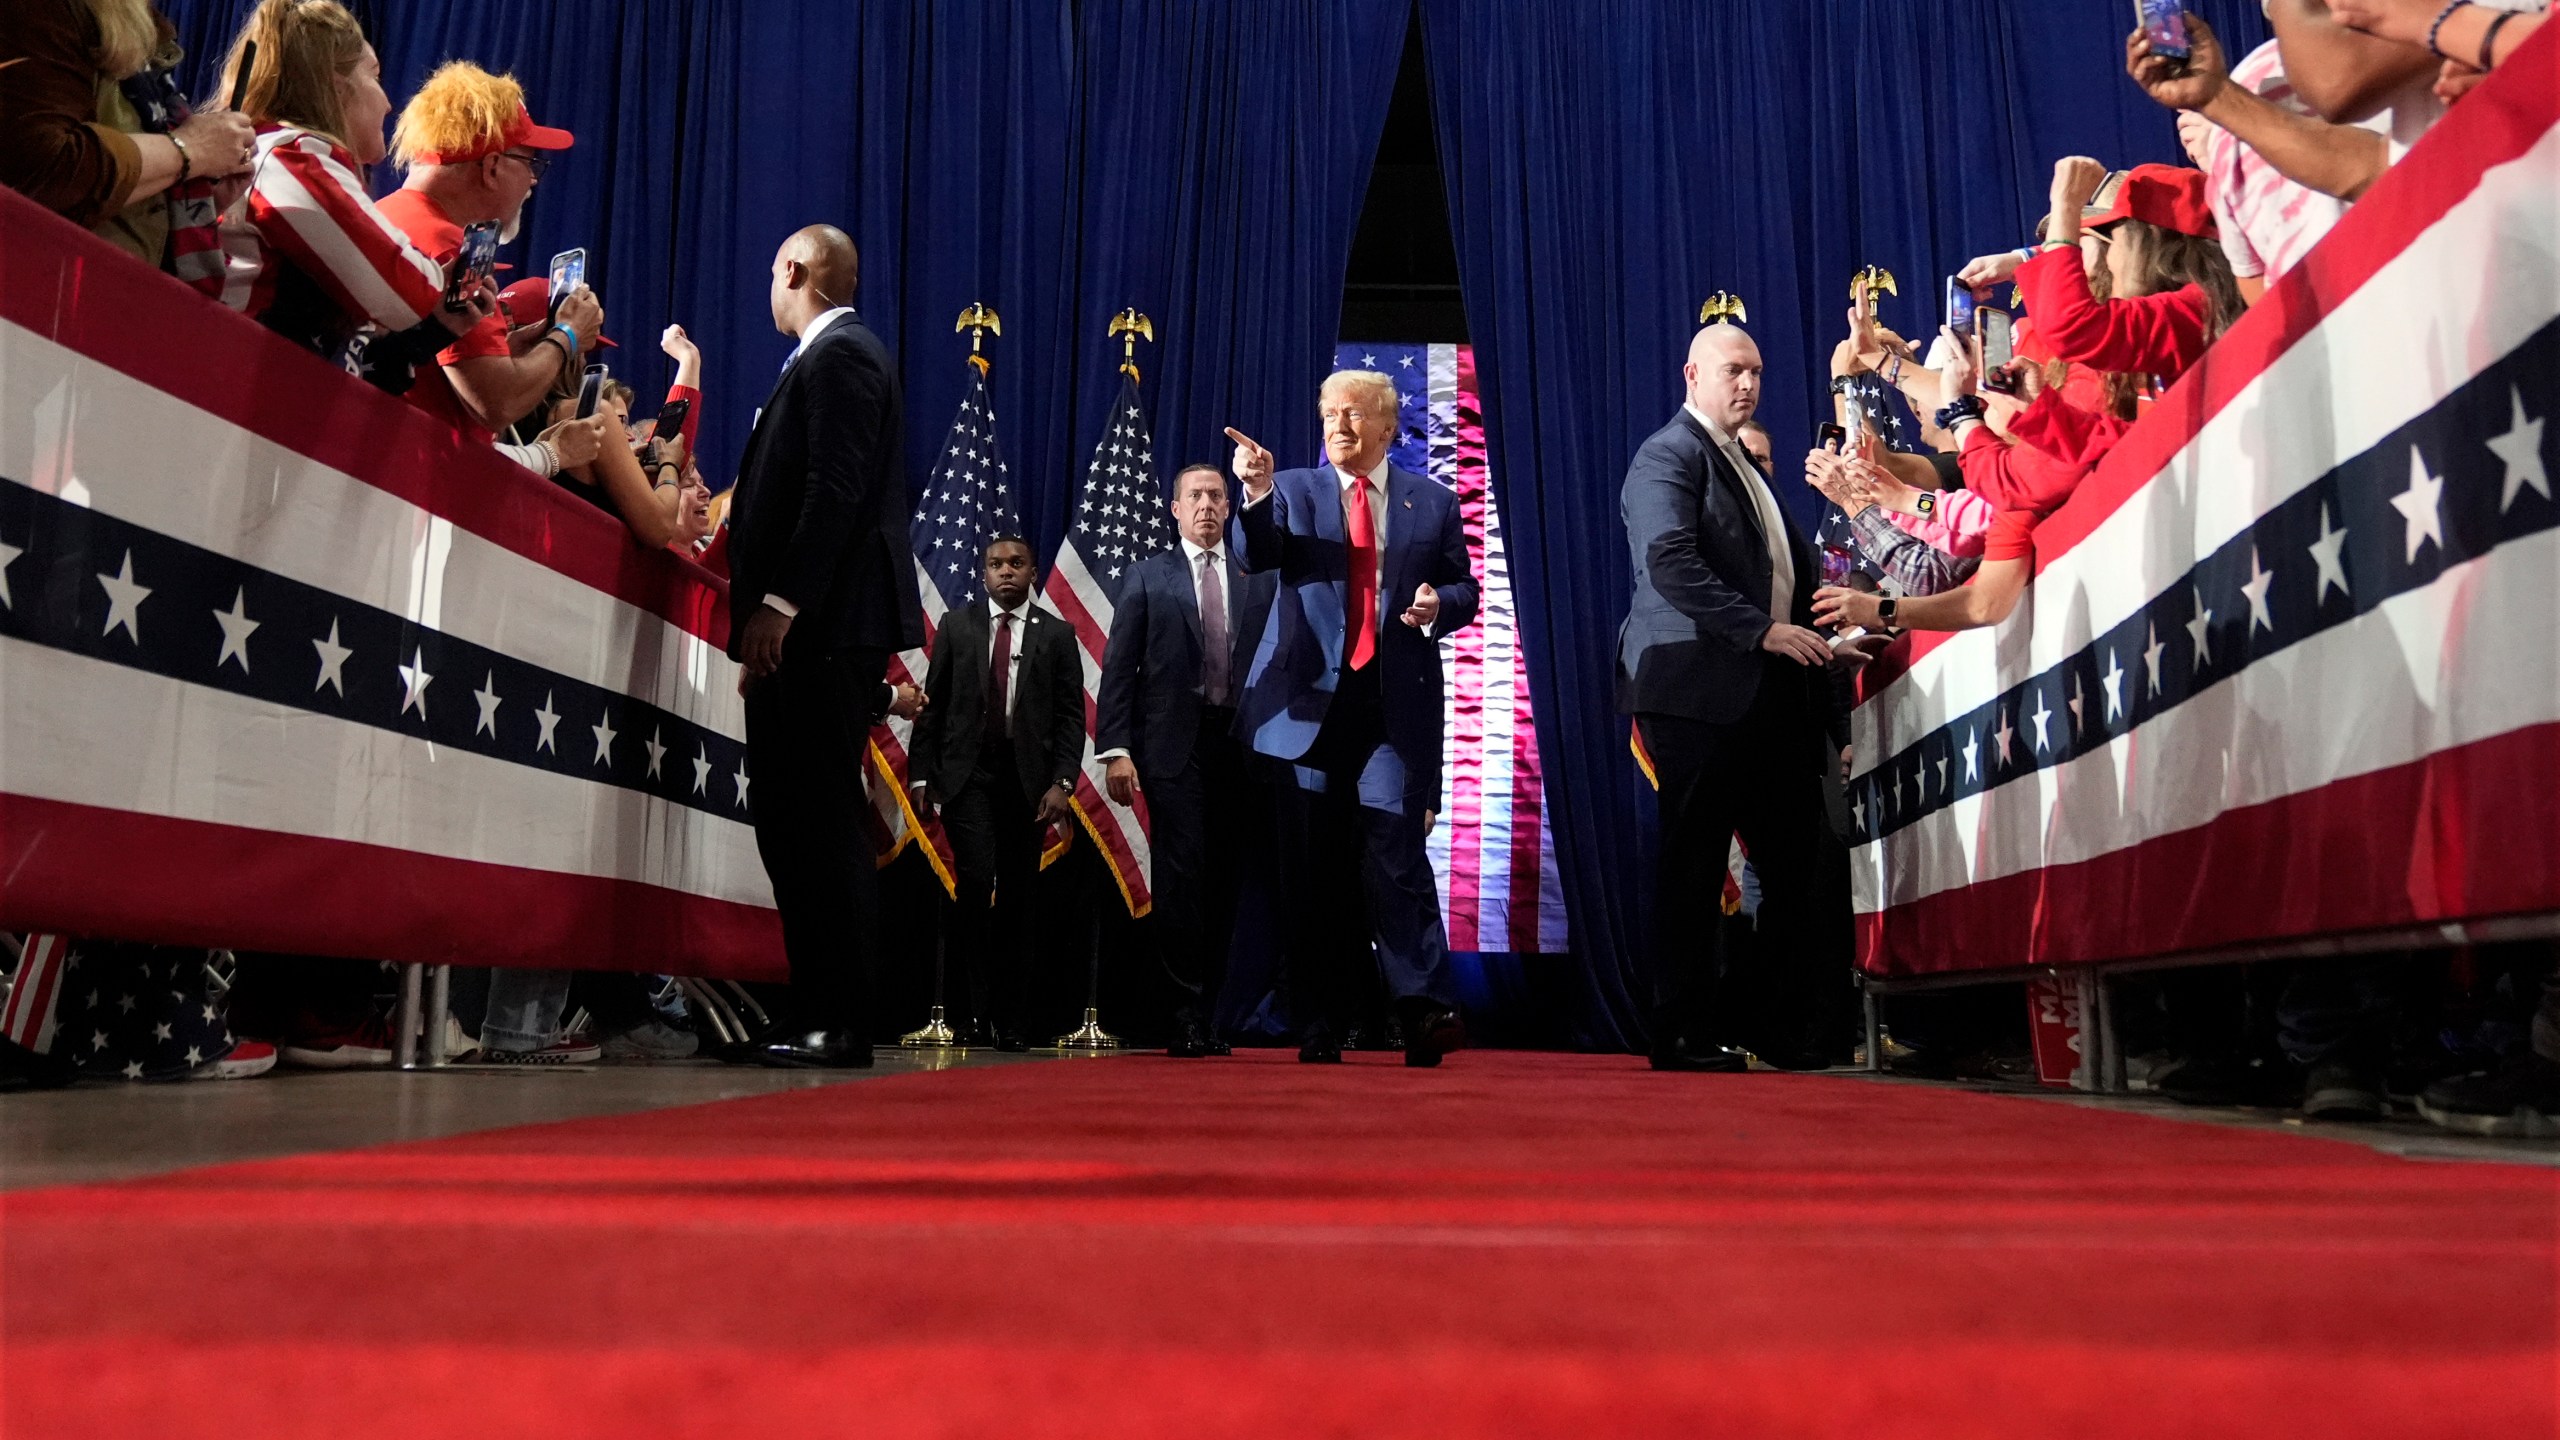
(1963, 407)
(1885, 608)
(1926, 502)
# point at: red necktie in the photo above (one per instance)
(1364, 573)
(999, 671)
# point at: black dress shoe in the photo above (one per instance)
(817, 1050)
(1430, 1034)
(1010, 1041)
(1319, 1050)
(1716, 1059)
(1191, 1040)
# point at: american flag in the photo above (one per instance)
(1121, 519)
(967, 502)
(1493, 850)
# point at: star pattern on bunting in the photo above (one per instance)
(2470, 474)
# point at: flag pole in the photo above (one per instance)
(936, 1032)
(1090, 1035)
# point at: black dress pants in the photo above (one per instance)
(1201, 819)
(995, 840)
(807, 726)
(1763, 776)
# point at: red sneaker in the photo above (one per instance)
(247, 1058)
(366, 1046)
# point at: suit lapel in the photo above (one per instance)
(1735, 487)
(1185, 596)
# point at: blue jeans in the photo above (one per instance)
(524, 1009)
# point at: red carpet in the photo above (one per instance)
(1515, 1245)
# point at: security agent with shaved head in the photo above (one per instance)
(1720, 666)
(820, 592)
(1345, 689)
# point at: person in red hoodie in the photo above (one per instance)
(2172, 294)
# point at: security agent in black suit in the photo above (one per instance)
(998, 750)
(1743, 723)
(1182, 636)
(819, 596)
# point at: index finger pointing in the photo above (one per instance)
(1243, 439)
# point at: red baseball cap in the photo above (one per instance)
(529, 300)
(521, 132)
(2169, 196)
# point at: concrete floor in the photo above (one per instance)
(94, 1131)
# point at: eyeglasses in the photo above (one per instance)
(534, 165)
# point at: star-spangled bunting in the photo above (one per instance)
(104, 588)
(2453, 484)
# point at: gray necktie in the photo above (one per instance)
(1213, 631)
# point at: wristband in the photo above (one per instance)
(1841, 384)
(186, 162)
(1963, 407)
(1894, 375)
(2489, 41)
(2433, 30)
(2026, 252)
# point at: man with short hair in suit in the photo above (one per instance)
(1345, 688)
(998, 751)
(820, 593)
(1182, 636)
(1726, 678)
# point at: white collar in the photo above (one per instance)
(815, 328)
(1725, 439)
(994, 609)
(1342, 477)
(1191, 553)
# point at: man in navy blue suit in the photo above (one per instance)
(1182, 636)
(1345, 688)
(1733, 692)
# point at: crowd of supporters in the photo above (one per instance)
(2129, 280)
(262, 203)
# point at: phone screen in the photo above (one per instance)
(1960, 307)
(671, 417)
(2164, 24)
(473, 262)
(591, 389)
(1830, 437)
(568, 272)
(1999, 339)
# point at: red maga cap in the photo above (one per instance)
(2169, 196)
(521, 132)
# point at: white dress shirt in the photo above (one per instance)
(1773, 526)
(808, 334)
(1013, 666)
(1191, 564)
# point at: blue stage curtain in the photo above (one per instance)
(1610, 163)
(1202, 161)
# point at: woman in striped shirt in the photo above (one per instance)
(309, 254)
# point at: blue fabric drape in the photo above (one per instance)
(1200, 160)
(1609, 164)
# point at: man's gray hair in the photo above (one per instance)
(1378, 386)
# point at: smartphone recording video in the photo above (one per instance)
(591, 389)
(568, 272)
(1830, 437)
(473, 262)
(671, 417)
(1999, 348)
(1960, 308)
(2164, 24)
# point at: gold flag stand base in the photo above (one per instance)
(935, 1034)
(1090, 1035)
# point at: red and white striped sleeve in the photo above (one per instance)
(310, 204)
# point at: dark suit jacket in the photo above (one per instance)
(1048, 703)
(820, 517)
(1691, 642)
(1297, 531)
(1149, 703)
